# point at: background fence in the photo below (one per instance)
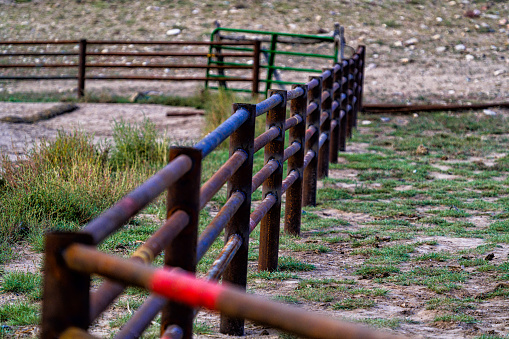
(100, 60)
(322, 115)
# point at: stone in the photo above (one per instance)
(439, 19)
(441, 49)
(460, 48)
(499, 72)
(405, 60)
(436, 37)
(398, 44)
(365, 122)
(411, 41)
(489, 112)
(502, 22)
(292, 26)
(469, 57)
(195, 11)
(371, 66)
(173, 31)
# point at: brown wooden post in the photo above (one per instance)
(274, 150)
(256, 68)
(335, 116)
(66, 296)
(343, 105)
(293, 204)
(82, 62)
(349, 99)
(313, 121)
(323, 153)
(181, 252)
(236, 272)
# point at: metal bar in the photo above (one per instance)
(183, 287)
(57, 77)
(223, 131)
(356, 76)
(39, 42)
(256, 68)
(296, 92)
(308, 157)
(214, 184)
(66, 292)
(212, 231)
(260, 211)
(265, 138)
(309, 55)
(262, 175)
(289, 180)
(101, 298)
(310, 132)
(38, 54)
(323, 154)
(291, 150)
(293, 204)
(272, 58)
(293, 121)
(236, 273)
(162, 54)
(322, 140)
(186, 66)
(225, 257)
(115, 217)
(274, 151)
(294, 69)
(123, 42)
(38, 65)
(310, 175)
(82, 62)
(267, 104)
(142, 318)
(163, 78)
(407, 109)
(181, 252)
(220, 59)
(311, 107)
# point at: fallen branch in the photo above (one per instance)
(43, 115)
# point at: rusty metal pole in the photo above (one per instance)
(66, 296)
(334, 133)
(274, 150)
(181, 252)
(343, 105)
(323, 153)
(236, 273)
(293, 205)
(256, 68)
(313, 121)
(82, 63)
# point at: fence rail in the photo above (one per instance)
(80, 63)
(323, 112)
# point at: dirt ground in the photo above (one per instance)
(431, 68)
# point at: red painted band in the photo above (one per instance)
(183, 287)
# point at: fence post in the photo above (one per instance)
(66, 292)
(313, 119)
(274, 150)
(272, 58)
(361, 77)
(293, 204)
(343, 105)
(256, 68)
(349, 98)
(335, 116)
(181, 252)
(82, 63)
(355, 87)
(236, 272)
(323, 153)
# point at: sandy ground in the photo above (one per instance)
(96, 119)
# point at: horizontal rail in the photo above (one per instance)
(295, 93)
(124, 42)
(261, 210)
(225, 257)
(291, 150)
(170, 54)
(127, 207)
(223, 131)
(293, 121)
(111, 65)
(264, 173)
(289, 180)
(267, 104)
(266, 137)
(214, 184)
(183, 287)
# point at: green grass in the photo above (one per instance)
(25, 283)
(19, 314)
